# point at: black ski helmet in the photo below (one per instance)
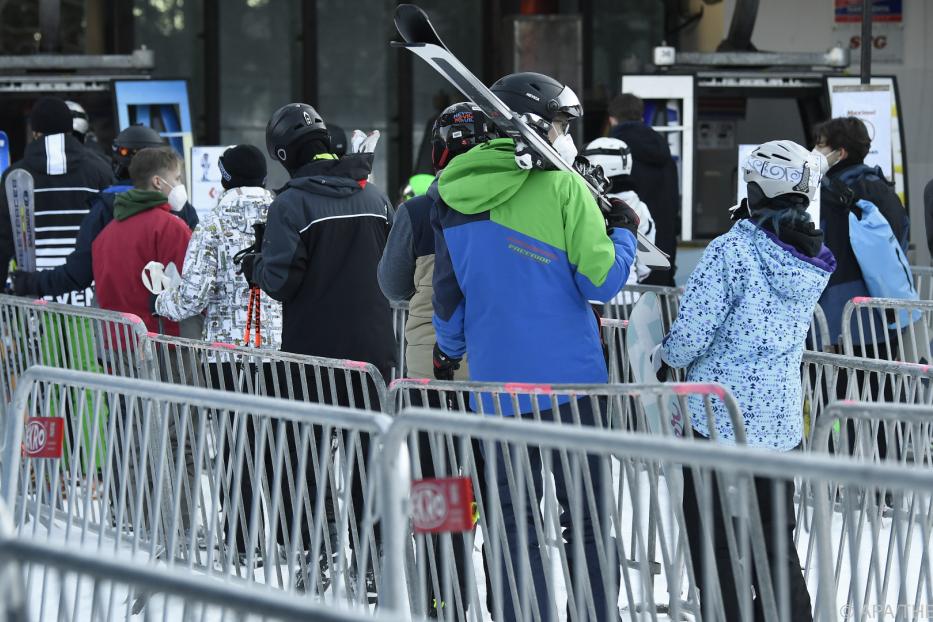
(128, 142)
(289, 128)
(459, 128)
(540, 99)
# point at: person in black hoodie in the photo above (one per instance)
(319, 251)
(75, 274)
(654, 174)
(844, 142)
(65, 176)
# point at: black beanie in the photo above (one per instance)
(242, 165)
(50, 115)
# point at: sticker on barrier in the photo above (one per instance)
(442, 505)
(43, 437)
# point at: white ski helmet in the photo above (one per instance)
(782, 167)
(610, 153)
(79, 119)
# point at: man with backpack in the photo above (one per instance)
(849, 183)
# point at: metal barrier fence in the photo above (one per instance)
(272, 491)
(658, 408)
(613, 334)
(923, 281)
(726, 534)
(272, 373)
(85, 586)
(826, 378)
(887, 328)
(399, 324)
(37, 332)
(621, 306)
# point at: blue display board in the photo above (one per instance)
(4, 152)
(160, 104)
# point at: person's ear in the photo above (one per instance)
(154, 183)
(843, 154)
(36, 135)
(613, 120)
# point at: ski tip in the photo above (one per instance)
(414, 26)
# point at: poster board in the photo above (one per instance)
(205, 178)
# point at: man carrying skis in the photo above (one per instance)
(519, 253)
(65, 176)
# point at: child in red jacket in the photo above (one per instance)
(142, 230)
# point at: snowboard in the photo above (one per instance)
(19, 195)
(422, 39)
(4, 152)
(644, 332)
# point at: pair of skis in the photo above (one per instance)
(422, 39)
(20, 195)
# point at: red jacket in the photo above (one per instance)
(122, 250)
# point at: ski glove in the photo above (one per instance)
(622, 215)
(25, 283)
(662, 370)
(740, 211)
(444, 365)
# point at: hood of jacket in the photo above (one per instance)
(646, 144)
(333, 177)
(54, 154)
(790, 273)
(239, 208)
(135, 201)
(483, 178)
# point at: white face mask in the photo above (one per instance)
(832, 156)
(565, 148)
(177, 198)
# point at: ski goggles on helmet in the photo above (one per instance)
(566, 103)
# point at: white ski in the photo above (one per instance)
(422, 39)
(19, 196)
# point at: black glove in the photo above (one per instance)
(740, 211)
(247, 262)
(622, 215)
(444, 366)
(259, 230)
(25, 283)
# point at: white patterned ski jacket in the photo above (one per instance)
(742, 322)
(210, 281)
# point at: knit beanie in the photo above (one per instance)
(50, 115)
(242, 165)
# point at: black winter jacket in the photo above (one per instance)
(846, 282)
(76, 274)
(655, 175)
(66, 175)
(323, 240)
